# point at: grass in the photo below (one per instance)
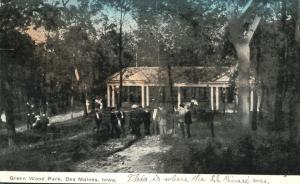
(73, 141)
(231, 152)
(228, 152)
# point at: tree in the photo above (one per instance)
(242, 29)
(121, 7)
(16, 16)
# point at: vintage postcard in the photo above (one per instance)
(149, 91)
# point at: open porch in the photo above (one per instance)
(148, 86)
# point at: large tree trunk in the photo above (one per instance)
(243, 52)
(120, 97)
(281, 76)
(240, 36)
(256, 97)
(294, 104)
(170, 76)
(10, 125)
(8, 106)
(254, 112)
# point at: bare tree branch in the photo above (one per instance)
(246, 8)
(65, 3)
(252, 28)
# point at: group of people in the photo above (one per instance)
(140, 120)
(36, 121)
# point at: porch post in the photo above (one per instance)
(212, 98)
(108, 96)
(178, 96)
(217, 98)
(258, 102)
(143, 95)
(113, 96)
(147, 96)
(251, 100)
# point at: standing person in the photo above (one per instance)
(180, 117)
(30, 115)
(147, 120)
(121, 121)
(162, 120)
(188, 121)
(155, 122)
(3, 116)
(115, 130)
(135, 121)
(194, 101)
(98, 120)
(140, 120)
(44, 120)
(98, 103)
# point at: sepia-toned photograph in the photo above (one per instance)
(150, 86)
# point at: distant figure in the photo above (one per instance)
(194, 105)
(115, 129)
(30, 115)
(98, 120)
(121, 121)
(98, 103)
(188, 121)
(162, 120)
(3, 116)
(180, 118)
(135, 121)
(41, 123)
(155, 122)
(146, 121)
(194, 101)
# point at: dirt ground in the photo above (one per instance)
(143, 156)
(78, 148)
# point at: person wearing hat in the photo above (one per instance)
(121, 121)
(180, 117)
(162, 120)
(115, 129)
(188, 121)
(98, 103)
(135, 120)
(146, 121)
(30, 118)
(98, 119)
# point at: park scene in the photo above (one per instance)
(160, 86)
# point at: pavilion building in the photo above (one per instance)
(147, 86)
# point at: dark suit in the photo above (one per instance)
(135, 121)
(188, 122)
(30, 115)
(98, 120)
(121, 117)
(147, 119)
(115, 129)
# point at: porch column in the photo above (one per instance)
(212, 98)
(178, 97)
(108, 96)
(113, 96)
(217, 98)
(147, 95)
(143, 95)
(258, 102)
(251, 100)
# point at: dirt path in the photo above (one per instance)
(61, 118)
(143, 156)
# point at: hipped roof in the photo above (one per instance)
(180, 75)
